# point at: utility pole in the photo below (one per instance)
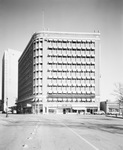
(6, 107)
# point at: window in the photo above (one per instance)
(78, 44)
(37, 52)
(59, 52)
(59, 74)
(92, 81)
(73, 52)
(92, 89)
(34, 74)
(78, 82)
(68, 52)
(87, 82)
(87, 67)
(64, 44)
(87, 44)
(34, 82)
(64, 60)
(37, 67)
(40, 59)
(60, 82)
(92, 60)
(50, 51)
(33, 89)
(59, 44)
(82, 82)
(53, 44)
(83, 59)
(37, 44)
(34, 52)
(59, 89)
(92, 67)
(87, 74)
(68, 44)
(87, 59)
(73, 44)
(92, 74)
(93, 44)
(40, 44)
(37, 59)
(93, 53)
(37, 74)
(54, 52)
(54, 59)
(40, 81)
(40, 74)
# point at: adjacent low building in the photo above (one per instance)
(110, 107)
(59, 72)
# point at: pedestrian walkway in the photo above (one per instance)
(115, 116)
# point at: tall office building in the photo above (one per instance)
(10, 77)
(59, 72)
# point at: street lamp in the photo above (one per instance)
(6, 107)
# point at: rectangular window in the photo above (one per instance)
(50, 51)
(37, 67)
(34, 52)
(40, 44)
(37, 59)
(37, 52)
(34, 45)
(92, 60)
(92, 67)
(37, 74)
(93, 53)
(92, 81)
(87, 59)
(59, 44)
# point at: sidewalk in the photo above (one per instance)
(115, 116)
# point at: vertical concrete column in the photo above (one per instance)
(38, 108)
(44, 75)
(97, 71)
(35, 107)
(47, 109)
(98, 102)
(85, 110)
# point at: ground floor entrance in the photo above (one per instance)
(57, 108)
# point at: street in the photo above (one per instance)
(60, 132)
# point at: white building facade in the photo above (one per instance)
(59, 72)
(10, 78)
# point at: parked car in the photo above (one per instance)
(100, 112)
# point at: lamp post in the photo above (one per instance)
(6, 107)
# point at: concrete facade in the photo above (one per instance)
(1, 105)
(10, 78)
(59, 72)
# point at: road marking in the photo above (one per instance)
(34, 130)
(29, 138)
(33, 133)
(81, 137)
(25, 146)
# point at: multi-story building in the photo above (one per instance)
(10, 78)
(59, 72)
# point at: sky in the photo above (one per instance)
(19, 19)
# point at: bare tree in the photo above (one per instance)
(118, 93)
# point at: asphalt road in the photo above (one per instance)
(60, 132)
